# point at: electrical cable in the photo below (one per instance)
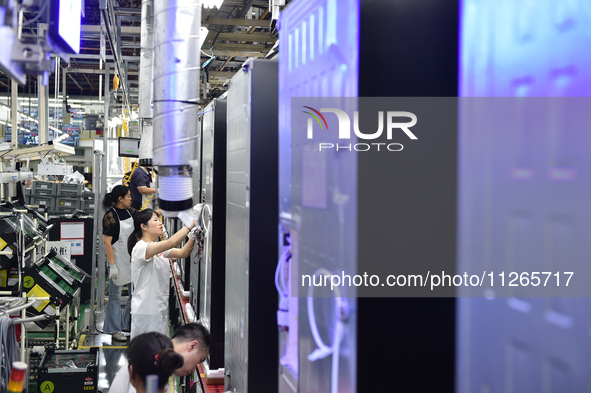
(323, 350)
(211, 57)
(126, 178)
(27, 360)
(8, 350)
(125, 127)
(181, 101)
(280, 272)
(202, 113)
(39, 15)
(206, 238)
(205, 228)
(146, 203)
(10, 302)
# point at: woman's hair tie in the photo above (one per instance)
(156, 360)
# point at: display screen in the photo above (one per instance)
(129, 147)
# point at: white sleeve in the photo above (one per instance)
(138, 254)
(121, 383)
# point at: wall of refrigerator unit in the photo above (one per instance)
(537, 191)
(318, 58)
(328, 49)
(212, 264)
(250, 351)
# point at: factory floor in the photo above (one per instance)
(111, 354)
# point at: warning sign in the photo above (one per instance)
(39, 305)
(2, 244)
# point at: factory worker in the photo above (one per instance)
(117, 226)
(192, 341)
(150, 271)
(152, 354)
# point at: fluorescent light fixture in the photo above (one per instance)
(212, 3)
(64, 25)
(61, 138)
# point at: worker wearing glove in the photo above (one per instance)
(117, 226)
(194, 233)
(113, 272)
(150, 270)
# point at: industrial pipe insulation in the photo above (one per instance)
(176, 95)
(146, 60)
(146, 87)
(146, 142)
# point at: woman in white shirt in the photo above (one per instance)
(150, 271)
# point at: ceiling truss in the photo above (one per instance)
(235, 34)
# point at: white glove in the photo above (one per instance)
(193, 233)
(113, 272)
(197, 211)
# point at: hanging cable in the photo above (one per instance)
(125, 128)
(282, 289)
(323, 350)
(146, 203)
(8, 350)
(211, 57)
(39, 15)
(280, 282)
(127, 177)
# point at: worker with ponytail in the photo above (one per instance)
(117, 226)
(150, 270)
(152, 354)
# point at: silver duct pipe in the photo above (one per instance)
(146, 82)
(146, 56)
(176, 93)
(146, 142)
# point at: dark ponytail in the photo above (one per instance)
(139, 218)
(168, 361)
(153, 353)
(112, 197)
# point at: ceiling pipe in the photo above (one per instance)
(176, 98)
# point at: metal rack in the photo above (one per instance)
(22, 251)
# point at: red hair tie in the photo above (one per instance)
(156, 360)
